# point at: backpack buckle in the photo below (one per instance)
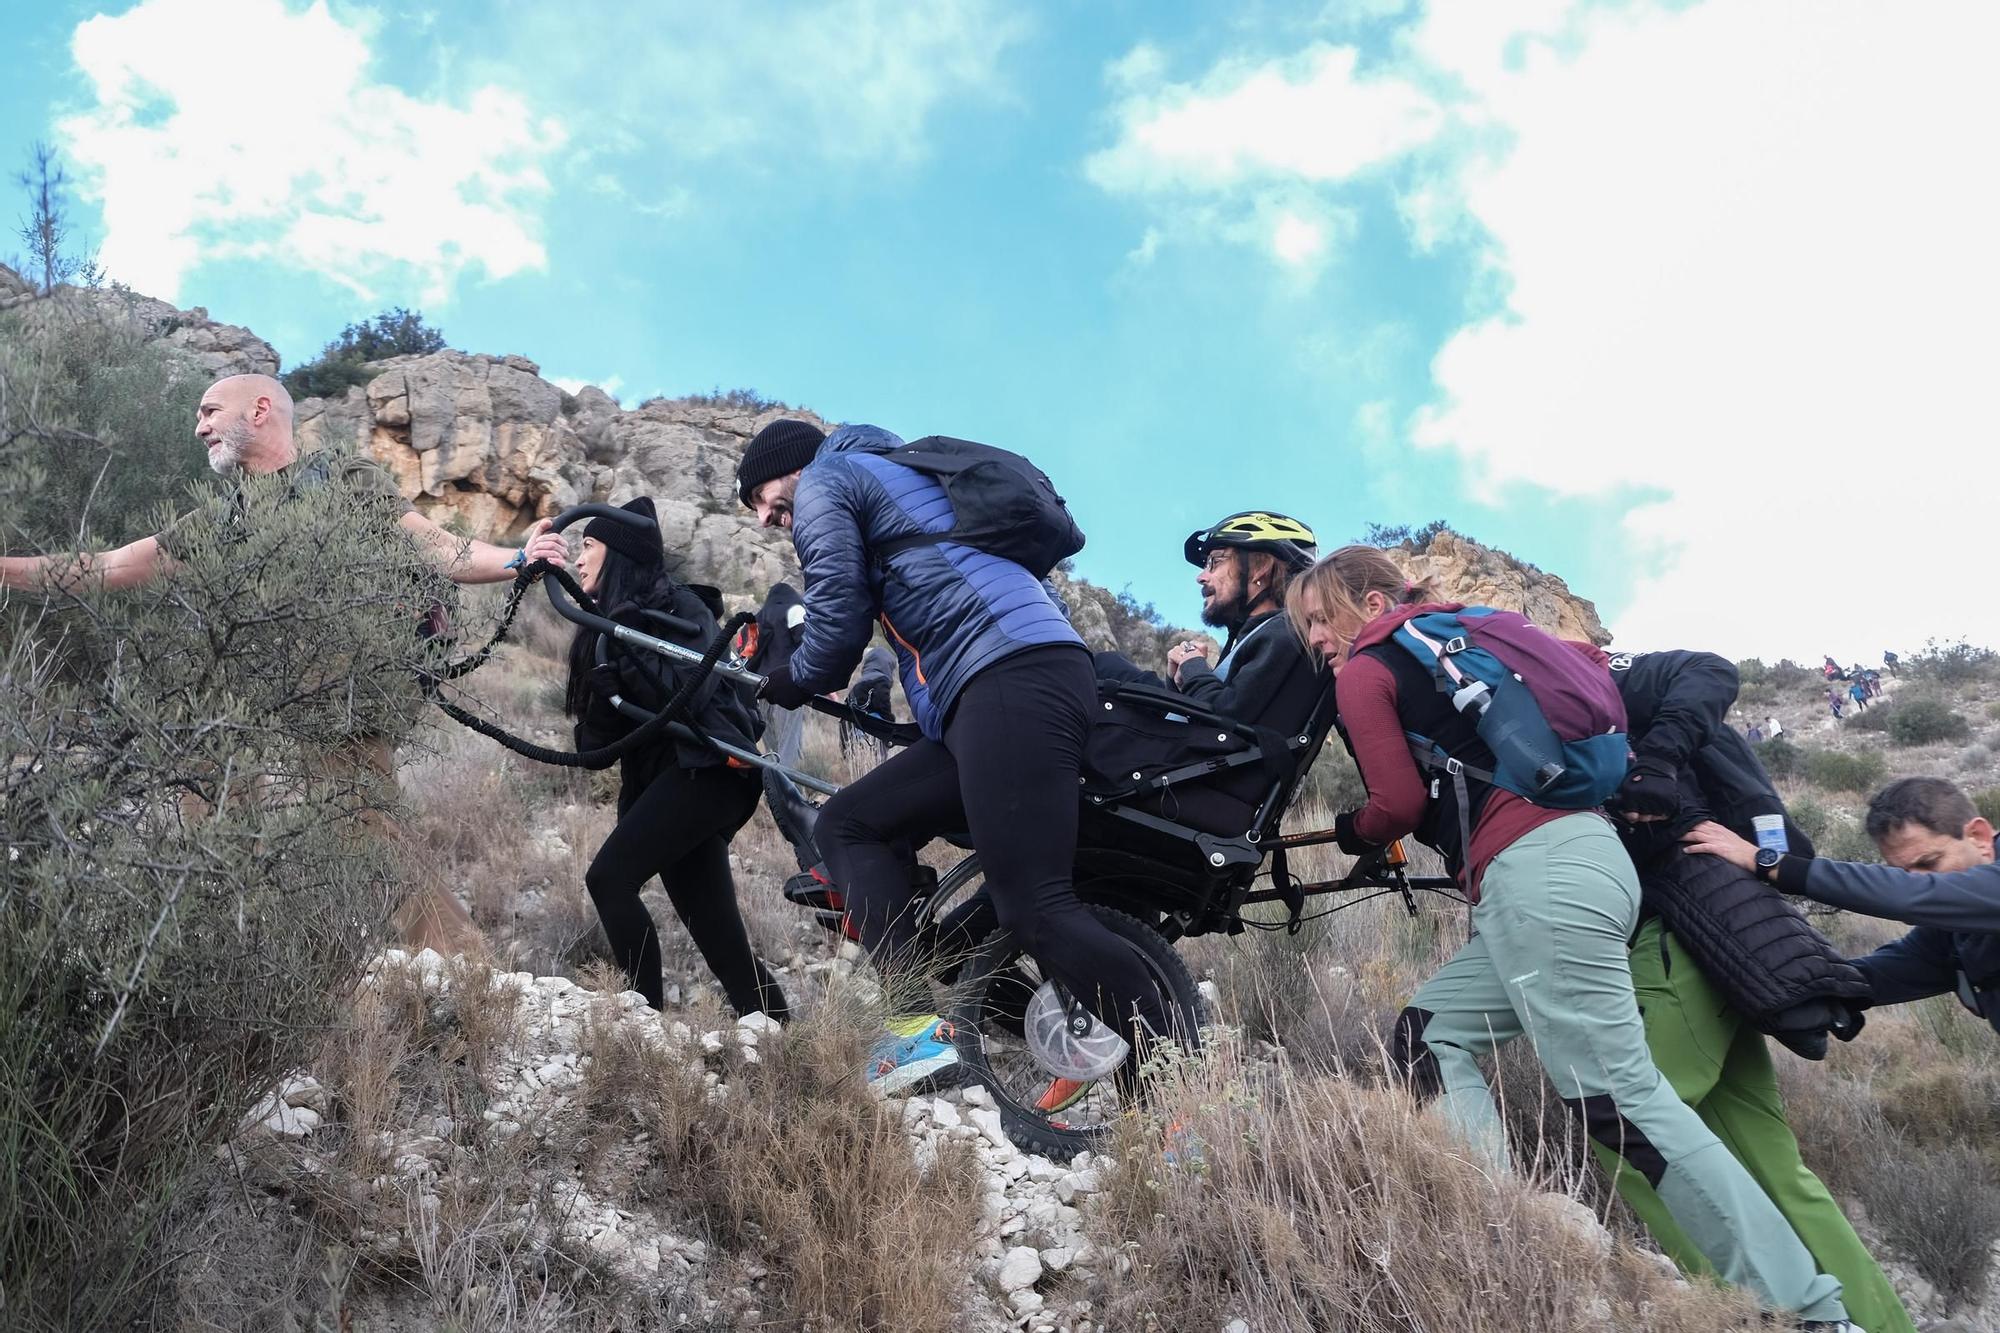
(1457, 645)
(1453, 766)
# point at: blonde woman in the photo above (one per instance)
(1555, 902)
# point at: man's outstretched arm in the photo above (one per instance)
(126, 567)
(469, 560)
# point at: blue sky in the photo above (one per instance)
(1690, 303)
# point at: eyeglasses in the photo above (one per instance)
(1217, 558)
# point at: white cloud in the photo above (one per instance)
(1307, 117)
(1297, 240)
(1253, 150)
(1750, 265)
(610, 384)
(248, 129)
(803, 93)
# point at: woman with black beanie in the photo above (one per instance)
(679, 802)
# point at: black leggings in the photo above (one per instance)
(1007, 771)
(679, 829)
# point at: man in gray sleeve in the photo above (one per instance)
(1941, 878)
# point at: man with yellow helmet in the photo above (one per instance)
(1263, 676)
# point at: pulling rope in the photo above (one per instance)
(606, 755)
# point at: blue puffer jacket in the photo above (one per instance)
(950, 611)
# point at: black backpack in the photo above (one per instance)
(1005, 505)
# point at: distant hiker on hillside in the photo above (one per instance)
(1755, 735)
(1556, 903)
(679, 802)
(1001, 687)
(1773, 728)
(1721, 959)
(1891, 661)
(1833, 702)
(246, 423)
(1831, 669)
(1941, 877)
(1858, 691)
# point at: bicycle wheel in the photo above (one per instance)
(1000, 978)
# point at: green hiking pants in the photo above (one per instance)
(1548, 959)
(1721, 1067)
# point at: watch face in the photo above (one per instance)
(1768, 857)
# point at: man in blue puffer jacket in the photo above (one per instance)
(1003, 690)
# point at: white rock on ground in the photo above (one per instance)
(534, 1072)
(1020, 1269)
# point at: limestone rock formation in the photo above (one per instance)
(485, 445)
(1462, 570)
(217, 348)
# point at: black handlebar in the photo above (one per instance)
(598, 509)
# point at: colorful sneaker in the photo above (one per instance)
(916, 1056)
(1062, 1093)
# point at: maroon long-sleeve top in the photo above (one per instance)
(1365, 692)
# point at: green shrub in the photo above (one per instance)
(125, 442)
(1987, 802)
(341, 364)
(1954, 663)
(1925, 719)
(1993, 711)
(1840, 770)
(1810, 813)
(1779, 756)
(193, 869)
(1873, 719)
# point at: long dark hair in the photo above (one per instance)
(621, 584)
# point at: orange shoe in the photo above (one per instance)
(1062, 1093)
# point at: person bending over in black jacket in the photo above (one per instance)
(1263, 677)
(1720, 959)
(679, 802)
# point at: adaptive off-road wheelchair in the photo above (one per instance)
(1180, 834)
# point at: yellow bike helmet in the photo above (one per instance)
(1257, 530)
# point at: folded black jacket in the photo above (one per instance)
(1753, 944)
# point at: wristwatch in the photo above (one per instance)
(1767, 863)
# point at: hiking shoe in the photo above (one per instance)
(917, 1055)
(1181, 1146)
(1061, 1094)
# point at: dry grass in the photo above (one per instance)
(1319, 1203)
(1319, 1199)
(799, 1164)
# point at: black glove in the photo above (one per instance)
(605, 681)
(1349, 841)
(779, 689)
(1651, 787)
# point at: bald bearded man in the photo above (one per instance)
(246, 423)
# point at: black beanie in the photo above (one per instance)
(640, 545)
(781, 447)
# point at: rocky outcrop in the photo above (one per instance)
(1461, 570)
(218, 349)
(485, 445)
